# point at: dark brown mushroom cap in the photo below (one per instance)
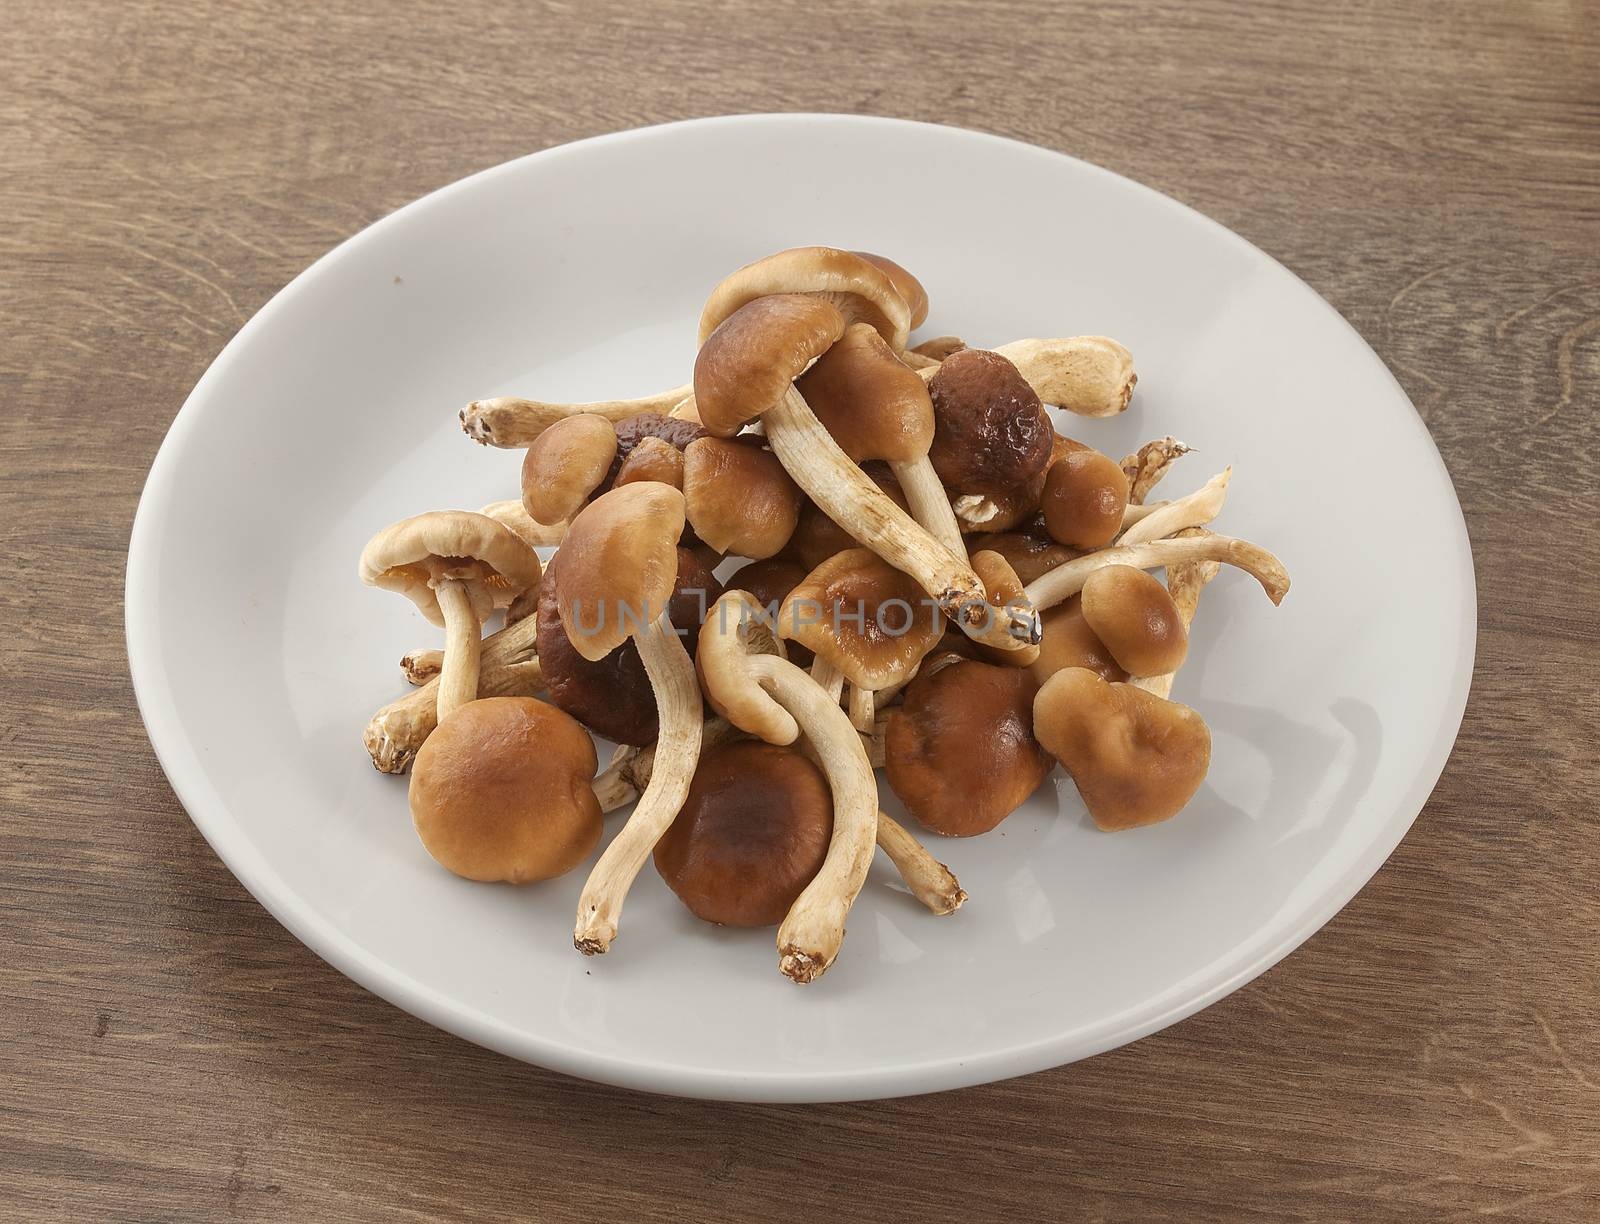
(1030, 550)
(1135, 758)
(874, 405)
(868, 619)
(991, 432)
(1085, 496)
(502, 790)
(960, 752)
(613, 696)
(739, 498)
(908, 286)
(752, 833)
(747, 364)
(1069, 642)
(635, 429)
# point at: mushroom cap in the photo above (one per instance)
(618, 565)
(960, 752)
(1069, 642)
(1085, 495)
(652, 459)
(745, 366)
(631, 431)
(861, 289)
(868, 619)
(1134, 615)
(495, 562)
(502, 791)
(613, 696)
(1136, 758)
(991, 432)
(739, 498)
(874, 405)
(817, 537)
(908, 286)
(565, 464)
(736, 628)
(1030, 550)
(752, 833)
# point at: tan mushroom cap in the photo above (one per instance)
(1136, 758)
(1085, 496)
(618, 566)
(502, 791)
(565, 464)
(734, 629)
(862, 290)
(1069, 642)
(1134, 615)
(738, 497)
(746, 365)
(872, 403)
(908, 286)
(652, 459)
(496, 564)
(863, 616)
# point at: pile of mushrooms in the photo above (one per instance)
(831, 552)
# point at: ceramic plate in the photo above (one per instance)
(579, 273)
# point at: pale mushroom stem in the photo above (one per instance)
(463, 646)
(811, 934)
(620, 782)
(849, 497)
(828, 677)
(1067, 580)
(861, 708)
(929, 880)
(420, 666)
(509, 422)
(677, 693)
(930, 503)
(1194, 510)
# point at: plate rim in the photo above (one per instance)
(210, 815)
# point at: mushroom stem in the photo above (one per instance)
(508, 668)
(677, 692)
(463, 646)
(509, 422)
(1184, 584)
(876, 742)
(1067, 580)
(811, 934)
(420, 666)
(849, 497)
(828, 677)
(930, 504)
(1195, 510)
(929, 880)
(620, 782)
(861, 708)
(1088, 375)
(1147, 465)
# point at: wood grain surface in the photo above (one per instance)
(169, 1053)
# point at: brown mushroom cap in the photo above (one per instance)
(1134, 615)
(751, 835)
(618, 566)
(862, 290)
(864, 616)
(739, 498)
(991, 432)
(1085, 496)
(496, 563)
(1136, 758)
(613, 696)
(652, 459)
(631, 431)
(501, 791)
(817, 537)
(1069, 642)
(960, 752)
(908, 286)
(869, 400)
(565, 464)
(1030, 550)
(746, 365)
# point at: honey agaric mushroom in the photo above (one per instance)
(960, 752)
(1085, 497)
(746, 369)
(862, 291)
(753, 832)
(502, 792)
(620, 562)
(1135, 758)
(1134, 615)
(652, 459)
(908, 287)
(565, 465)
(1088, 375)
(456, 567)
(875, 407)
(991, 430)
(507, 421)
(1192, 510)
(1065, 580)
(1069, 642)
(739, 498)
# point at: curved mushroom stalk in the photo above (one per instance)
(1194, 510)
(1184, 584)
(507, 421)
(1091, 376)
(621, 781)
(463, 645)
(677, 749)
(1067, 580)
(1147, 465)
(929, 880)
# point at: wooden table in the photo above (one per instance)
(168, 1052)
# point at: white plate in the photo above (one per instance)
(579, 272)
